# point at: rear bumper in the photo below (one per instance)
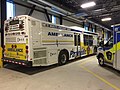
(16, 61)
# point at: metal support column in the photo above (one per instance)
(32, 10)
(3, 18)
(83, 24)
(49, 20)
(61, 19)
(103, 31)
(89, 27)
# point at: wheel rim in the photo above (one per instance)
(101, 61)
(63, 58)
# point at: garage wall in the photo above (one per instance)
(39, 15)
(21, 10)
(68, 23)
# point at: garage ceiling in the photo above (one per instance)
(103, 8)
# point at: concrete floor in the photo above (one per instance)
(83, 74)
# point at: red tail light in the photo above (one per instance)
(4, 48)
(23, 32)
(26, 47)
(6, 28)
(21, 26)
(15, 46)
(13, 33)
(12, 46)
(26, 51)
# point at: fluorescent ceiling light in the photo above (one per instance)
(106, 19)
(89, 4)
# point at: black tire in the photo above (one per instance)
(101, 61)
(63, 58)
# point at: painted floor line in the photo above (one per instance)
(97, 76)
(86, 61)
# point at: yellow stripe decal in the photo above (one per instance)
(97, 76)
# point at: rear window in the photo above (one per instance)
(14, 22)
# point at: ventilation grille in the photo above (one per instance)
(40, 61)
(39, 54)
(12, 39)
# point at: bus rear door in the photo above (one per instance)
(77, 44)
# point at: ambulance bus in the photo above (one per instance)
(32, 42)
(109, 53)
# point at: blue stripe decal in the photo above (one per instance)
(116, 35)
(107, 48)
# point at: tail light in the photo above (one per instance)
(23, 33)
(15, 46)
(6, 28)
(4, 48)
(21, 26)
(26, 49)
(12, 46)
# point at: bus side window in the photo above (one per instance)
(86, 42)
(90, 40)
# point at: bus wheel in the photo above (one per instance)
(101, 61)
(63, 58)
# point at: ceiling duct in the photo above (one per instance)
(52, 5)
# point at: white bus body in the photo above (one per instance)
(32, 42)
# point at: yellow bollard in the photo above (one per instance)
(1, 63)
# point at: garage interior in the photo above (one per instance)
(79, 74)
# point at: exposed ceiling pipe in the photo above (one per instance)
(47, 8)
(52, 5)
(31, 2)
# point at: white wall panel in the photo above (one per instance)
(39, 15)
(68, 23)
(20, 10)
